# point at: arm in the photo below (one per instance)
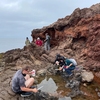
(69, 65)
(45, 40)
(60, 68)
(29, 89)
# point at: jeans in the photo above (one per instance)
(47, 46)
(69, 70)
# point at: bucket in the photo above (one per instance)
(33, 72)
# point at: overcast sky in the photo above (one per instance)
(19, 17)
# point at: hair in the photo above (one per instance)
(38, 38)
(26, 37)
(26, 68)
(59, 57)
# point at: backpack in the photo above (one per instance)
(73, 61)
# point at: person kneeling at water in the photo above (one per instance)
(68, 67)
(22, 82)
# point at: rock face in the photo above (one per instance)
(83, 27)
(87, 76)
(76, 36)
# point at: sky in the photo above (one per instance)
(19, 17)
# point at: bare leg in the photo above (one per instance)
(29, 81)
(27, 77)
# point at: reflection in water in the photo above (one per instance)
(65, 98)
(56, 85)
(48, 86)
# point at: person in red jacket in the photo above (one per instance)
(39, 42)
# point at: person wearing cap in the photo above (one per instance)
(39, 42)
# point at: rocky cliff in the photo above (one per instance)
(75, 36)
(83, 27)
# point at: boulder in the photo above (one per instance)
(87, 76)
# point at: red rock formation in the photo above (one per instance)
(83, 25)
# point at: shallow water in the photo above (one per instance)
(48, 85)
(55, 85)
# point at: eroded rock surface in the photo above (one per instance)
(76, 36)
(83, 27)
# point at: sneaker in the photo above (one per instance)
(26, 94)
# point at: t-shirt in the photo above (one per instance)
(18, 81)
(68, 62)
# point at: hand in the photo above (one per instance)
(67, 67)
(60, 68)
(30, 72)
(34, 90)
(57, 62)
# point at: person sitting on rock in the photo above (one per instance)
(39, 42)
(22, 82)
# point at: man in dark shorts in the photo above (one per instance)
(22, 82)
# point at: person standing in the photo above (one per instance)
(22, 82)
(27, 42)
(47, 42)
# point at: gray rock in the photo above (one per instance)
(65, 98)
(87, 76)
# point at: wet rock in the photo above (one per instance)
(65, 98)
(42, 96)
(98, 93)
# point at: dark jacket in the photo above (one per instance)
(60, 59)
